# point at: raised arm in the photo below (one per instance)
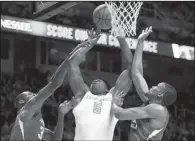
(137, 67)
(35, 103)
(75, 78)
(57, 134)
(124, 82)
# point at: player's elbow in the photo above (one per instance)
(118, 116)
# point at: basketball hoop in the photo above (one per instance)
(124, 17)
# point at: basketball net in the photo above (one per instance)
(124, 17)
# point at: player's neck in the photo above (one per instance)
(155, 102)
(98, 92)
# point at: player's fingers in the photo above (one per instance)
(98, 31)
(69, 102)
(97, 38)
(65, 102)
(121, 93)
(146, 30)
(92, 32)
(116, 93)
(150, 29)
(88, 32)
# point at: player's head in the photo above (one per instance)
(23, 98)
(163, 93)
(98, 87)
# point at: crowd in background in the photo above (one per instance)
(180, 127)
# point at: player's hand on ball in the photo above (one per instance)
(65, 107)
(145, 33)
(93, 37)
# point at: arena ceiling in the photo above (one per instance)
(171, 21)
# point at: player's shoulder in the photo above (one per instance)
(23, 115)
(156, 109)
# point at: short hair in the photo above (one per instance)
(169, 93)
(21, 99)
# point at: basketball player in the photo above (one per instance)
(92, 106)
(150, 121)
(29, 124)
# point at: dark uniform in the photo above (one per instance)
(32, 130)
(142, 130)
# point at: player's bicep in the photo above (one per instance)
(141, 86)
(123, 83)
(133, 113)
(76, 81)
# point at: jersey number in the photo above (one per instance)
(41, 132)
(134, 124)
(97, 107)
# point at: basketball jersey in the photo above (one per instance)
(141, 130)
(32, 130)
(93, 117)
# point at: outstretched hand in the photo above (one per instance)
(118, 98)
(145, 33)
(93, 36)
(65, 107)
(81, 49)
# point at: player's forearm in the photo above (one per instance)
(137, 66)
(137, 73)
(125, 50)
(77, 57)
(125, 114)
(58, 133)
(59, 75)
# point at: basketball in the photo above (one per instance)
(102, 17)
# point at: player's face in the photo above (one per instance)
(28, 96)
(153, 93)
(98, 86)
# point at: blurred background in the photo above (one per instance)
(32, 31)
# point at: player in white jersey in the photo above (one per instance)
(93, 115)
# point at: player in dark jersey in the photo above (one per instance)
(29, 123)
(150, 120)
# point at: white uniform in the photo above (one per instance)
(94, 120)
